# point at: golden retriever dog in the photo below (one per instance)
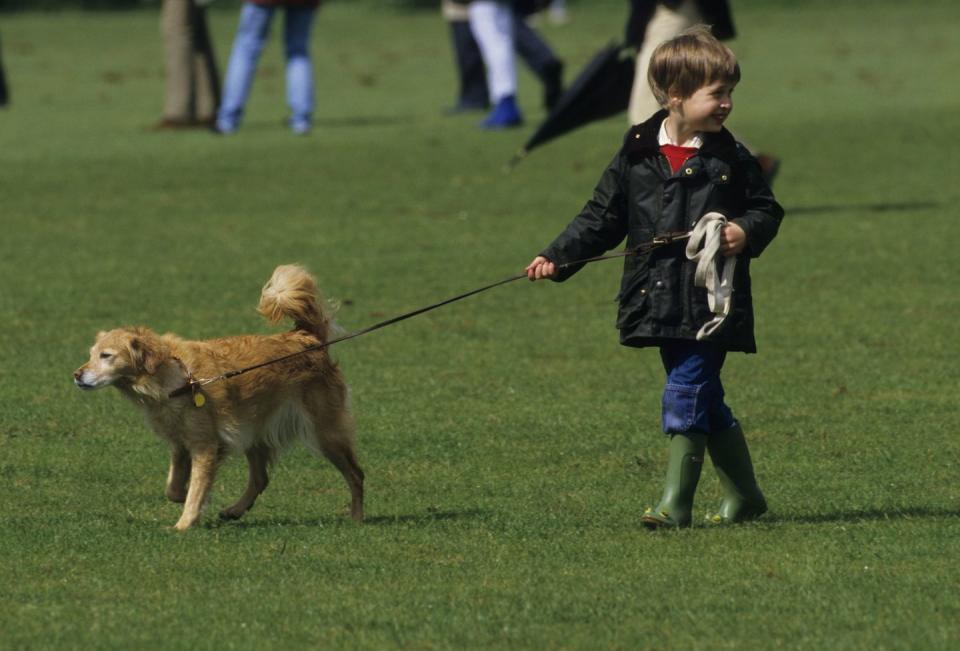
(258, 413)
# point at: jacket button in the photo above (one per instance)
(688, 171)
(724, 177)
(659, 283)
(643, 292)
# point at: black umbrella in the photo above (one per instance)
(4, 96)
(601, 90)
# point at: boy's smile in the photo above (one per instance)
(703, 111)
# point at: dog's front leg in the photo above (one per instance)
(203, 468)
(179, 474)
(257, 459)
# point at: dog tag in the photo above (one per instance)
(198, 399)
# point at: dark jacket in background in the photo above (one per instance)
(715, 13)
(286, 3)
(522, 7)
(639, 197)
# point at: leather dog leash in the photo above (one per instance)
(193, 385)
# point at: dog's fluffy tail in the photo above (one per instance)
(292, 292)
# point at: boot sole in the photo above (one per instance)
(717, 519)
(652, 523)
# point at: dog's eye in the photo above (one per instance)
(106, 355)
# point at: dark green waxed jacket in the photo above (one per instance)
(637, 198)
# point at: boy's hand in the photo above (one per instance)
(733, 240)
(540, 268)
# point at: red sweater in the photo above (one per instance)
(677, 155)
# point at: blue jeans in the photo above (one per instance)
(251, 35)
(693, 397)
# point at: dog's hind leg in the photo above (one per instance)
(333, 434)
(257, 459)
(203, 469)
(340, 453)
(179, 474)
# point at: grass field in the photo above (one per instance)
(510, 444)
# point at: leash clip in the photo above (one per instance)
(193, 386)
(669, 238)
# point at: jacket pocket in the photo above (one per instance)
(666, 292)
(634, 296)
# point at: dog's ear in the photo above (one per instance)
(142, 357)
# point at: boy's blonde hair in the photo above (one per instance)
(684, 64)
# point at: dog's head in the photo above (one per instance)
(120, 356)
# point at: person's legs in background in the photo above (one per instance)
(252, 33)
(300, 94)
(177, 64)
(206, 77)
(472, 93)
(493, 27)
(537, 54)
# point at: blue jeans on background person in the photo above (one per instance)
(693, 397)
(251, 36)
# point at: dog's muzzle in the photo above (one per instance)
(79, 380)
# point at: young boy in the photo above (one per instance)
(671, 173)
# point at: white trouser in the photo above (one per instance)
(664, 25)
(492, 26)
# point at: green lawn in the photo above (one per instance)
(510, 444)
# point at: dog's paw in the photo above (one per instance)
(232, 514)
(177, 497)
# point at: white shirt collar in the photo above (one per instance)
(664, 138)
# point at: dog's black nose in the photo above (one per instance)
(78, 379)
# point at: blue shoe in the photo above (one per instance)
(222, 128)
(300, 128)
(504, 115)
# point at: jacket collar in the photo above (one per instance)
(641, 141)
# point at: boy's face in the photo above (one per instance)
(707, 108)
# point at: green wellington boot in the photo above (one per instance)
(683, 472)
(731, 458)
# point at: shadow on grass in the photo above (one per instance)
(365, 121)
(333, 520)
(434, 516)
(862, 515)
(345, 122)
(867, 207)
